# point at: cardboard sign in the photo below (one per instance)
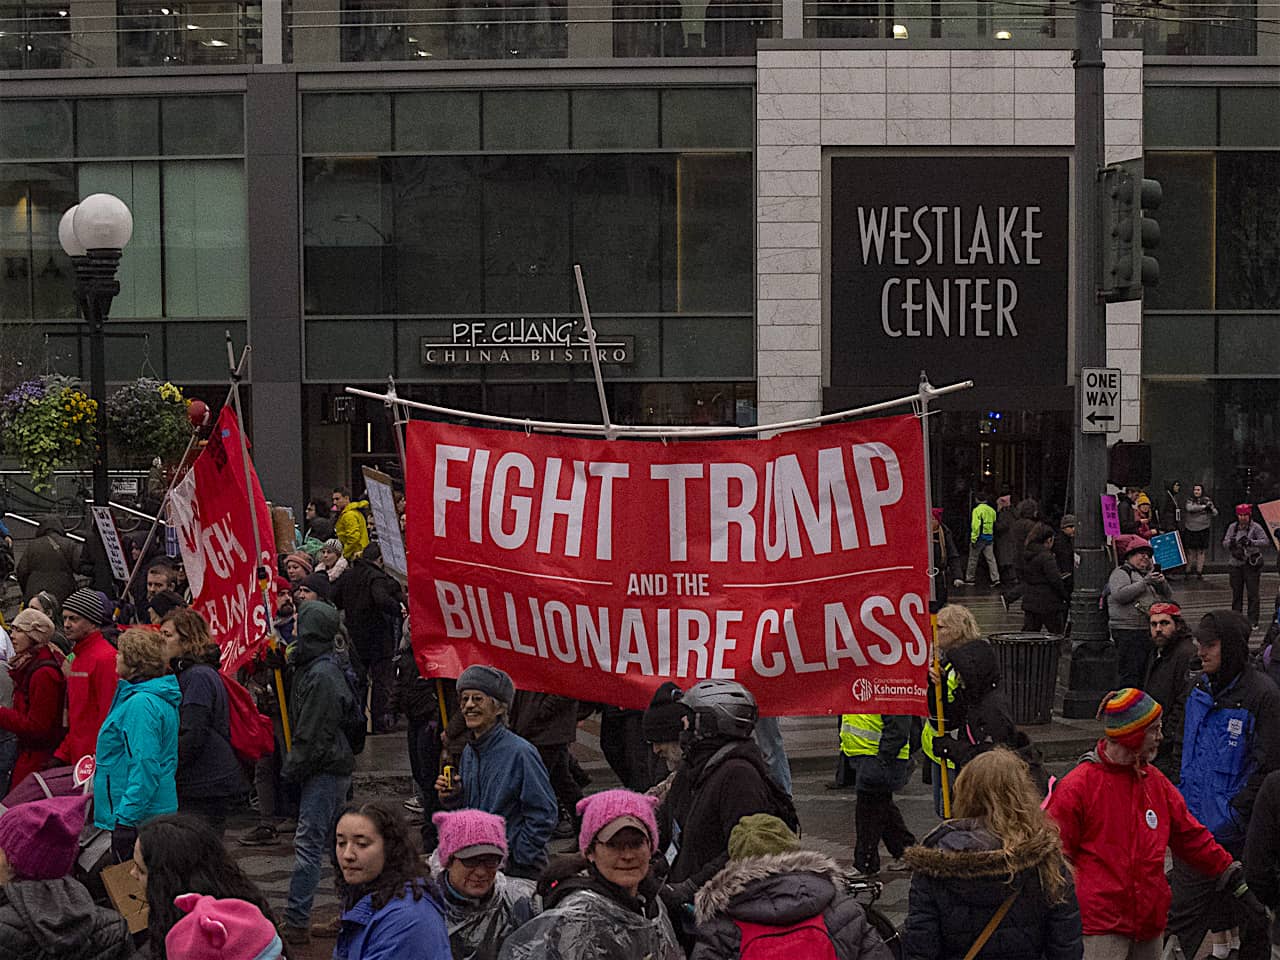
(210, 508)
(1168, 550)
(796, 565)
(1110, 515)
(128, 896)
(382, 501)
(111, 541)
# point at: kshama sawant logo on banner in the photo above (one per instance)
(210, 507)
(795, 565)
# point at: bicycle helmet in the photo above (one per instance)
(721, 709)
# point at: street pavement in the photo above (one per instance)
(826, 814)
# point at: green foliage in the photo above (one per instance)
(48, 423)
(147, 418)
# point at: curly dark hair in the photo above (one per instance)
(401, 869)
(183, 855)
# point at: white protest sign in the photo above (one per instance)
(111, 542)
(382, 502)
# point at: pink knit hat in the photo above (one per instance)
(469, 833)
(41, 839)
(221, 930)
(604, 814)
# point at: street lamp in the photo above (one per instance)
(93, 234)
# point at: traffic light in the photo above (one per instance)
(1128, 234)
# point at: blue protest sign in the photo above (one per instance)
(1168, 550)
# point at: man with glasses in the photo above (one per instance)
(500, 772)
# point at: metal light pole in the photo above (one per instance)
(93, 233)
(1093, 658)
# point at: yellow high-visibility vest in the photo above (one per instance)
(860, 735)
(951, 683)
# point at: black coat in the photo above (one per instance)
(1064, 555)
(369, 598)
(58, 920)
(722, 788)
(960, 879)
(779, 891)
(544, 719)
(1172, 672)
(207, 766)
(1262, 850)
(1042, 588)
(981, 714)
(48, 562)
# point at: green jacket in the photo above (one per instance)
(321, 699)
(983, 525)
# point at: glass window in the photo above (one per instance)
(1248, 249)
(1186, 217)
(331, 354)
(1180, 116)
(1250, 116)
(528, 254)
(346, 123)
(138, 185)
(615, 119)
(118, 127)
(197, 351)
(36, 278)
(708, 118)
(622, 223)
(715, 233)
(1178, 421)
(32, 129)
(434, 122)
(346, 233)
(202, 126)
(526, 120)
(205, 261)
(1177, 344)
(718, 347)
(1248, 345)
(437, 259)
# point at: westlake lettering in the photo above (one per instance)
(959, 306)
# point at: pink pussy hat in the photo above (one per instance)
(469, 833)
(221, 930)
(604, 814)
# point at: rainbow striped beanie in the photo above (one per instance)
(1126, 714)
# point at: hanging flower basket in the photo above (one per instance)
(46, 424)
(148, 419)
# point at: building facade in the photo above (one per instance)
(779, 209)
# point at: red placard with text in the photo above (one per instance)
(796, 565)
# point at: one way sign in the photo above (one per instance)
(1099, 400)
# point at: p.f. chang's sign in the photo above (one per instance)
(475, 342)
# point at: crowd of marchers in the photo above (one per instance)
(701, 853)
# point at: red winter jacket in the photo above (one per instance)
(1116, 823)
(91, 686)
(39, 689)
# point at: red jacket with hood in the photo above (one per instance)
(1116, 821)
(91, 686)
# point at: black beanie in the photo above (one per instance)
(662, 722)
(317, 583)
(1231, 631)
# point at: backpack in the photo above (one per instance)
(808, 939)
(355, 724)
(252, 735)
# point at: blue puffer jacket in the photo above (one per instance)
(404, 929)
(1230, 742)
(503, 773)
(137, 754)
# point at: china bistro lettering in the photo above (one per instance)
(940, 236)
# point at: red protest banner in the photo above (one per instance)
(211, 509)
(594, 569)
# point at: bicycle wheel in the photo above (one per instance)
(71, 512)
(888, 932)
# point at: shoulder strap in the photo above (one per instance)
(990, 928)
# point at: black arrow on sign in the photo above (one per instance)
(1095, 418)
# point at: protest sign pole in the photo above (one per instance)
(396, 407)
(595, 352)
(926, 392)
(236, 371)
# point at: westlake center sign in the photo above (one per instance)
(954, 264)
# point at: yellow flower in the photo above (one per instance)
(77, 441)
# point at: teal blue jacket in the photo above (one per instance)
(138, 754)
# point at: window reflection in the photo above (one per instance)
(35, 275)
(160, 33)
(1215, 29)
(37, 36)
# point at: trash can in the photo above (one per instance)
(1028, 673)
